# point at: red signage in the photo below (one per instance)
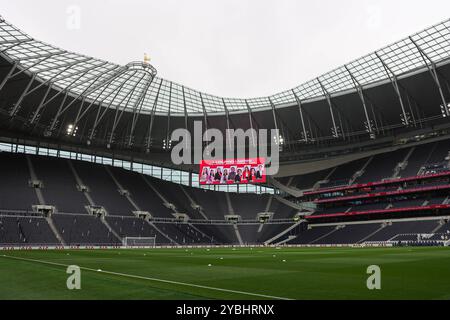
(239, 171)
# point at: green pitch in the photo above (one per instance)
(243, 273)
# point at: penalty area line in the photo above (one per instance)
(152, 279)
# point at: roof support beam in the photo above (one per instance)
(286, 131)
(82, 95)
(185, 120)
(277, 137)
(15, 44)
(152, 118)
(59, 112)
(330, 105)
(45, 57)
(37, 111)
(227, 115)
(52, 79)
(116, 73)
(137, 109)
(118, 116)
(28, 91)
(69, 64)
(360, 91)
(205, 115)
(82, 73)
(393, 78)
(431, 66)
(99, 116)
(11, 41)
(16, 107)
(185, 109)
(168, 116)
(81, 113)
(42, 55)
(44, 103)
(251, 122)
(8, 76)
(300, 107)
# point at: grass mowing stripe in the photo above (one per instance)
(153, 279)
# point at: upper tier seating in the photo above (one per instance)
(213, 203)
(248, 205)
(343, 173)
(417, 159)
(280, 210)
(141, 193)
(15, 192)
(382, 166)
(60, 187)
(177, 197)
(307, 181)
(102, 188)
(440, 152)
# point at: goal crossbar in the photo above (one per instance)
(139, 241)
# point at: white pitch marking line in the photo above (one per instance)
(154, 279)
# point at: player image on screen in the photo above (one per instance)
(211, 176)
(205, 174)
(224, 178)
(218, 175)
(232, 174)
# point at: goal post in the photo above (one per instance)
(139, 242)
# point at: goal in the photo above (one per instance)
(139, 241)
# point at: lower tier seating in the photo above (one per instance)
(84, 229)
(26, 231)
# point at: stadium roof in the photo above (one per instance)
(136, 87)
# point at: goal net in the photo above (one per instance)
(139, 241)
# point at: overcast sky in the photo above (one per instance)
(231, 48)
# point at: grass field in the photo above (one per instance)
(243, 273)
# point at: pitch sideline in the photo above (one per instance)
(152, 279)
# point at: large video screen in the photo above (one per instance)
(236, 171)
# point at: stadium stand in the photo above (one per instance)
(343, 174)
(214, 203)
(84, 230)
(16, 194)
(280, 210)
(248, 205)
(310, 180)
(102, 188)
(135, 227)
(60, 188)
(26, 231)
(134, 192)
(368, 168)
(382, 166)
(140, 189)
